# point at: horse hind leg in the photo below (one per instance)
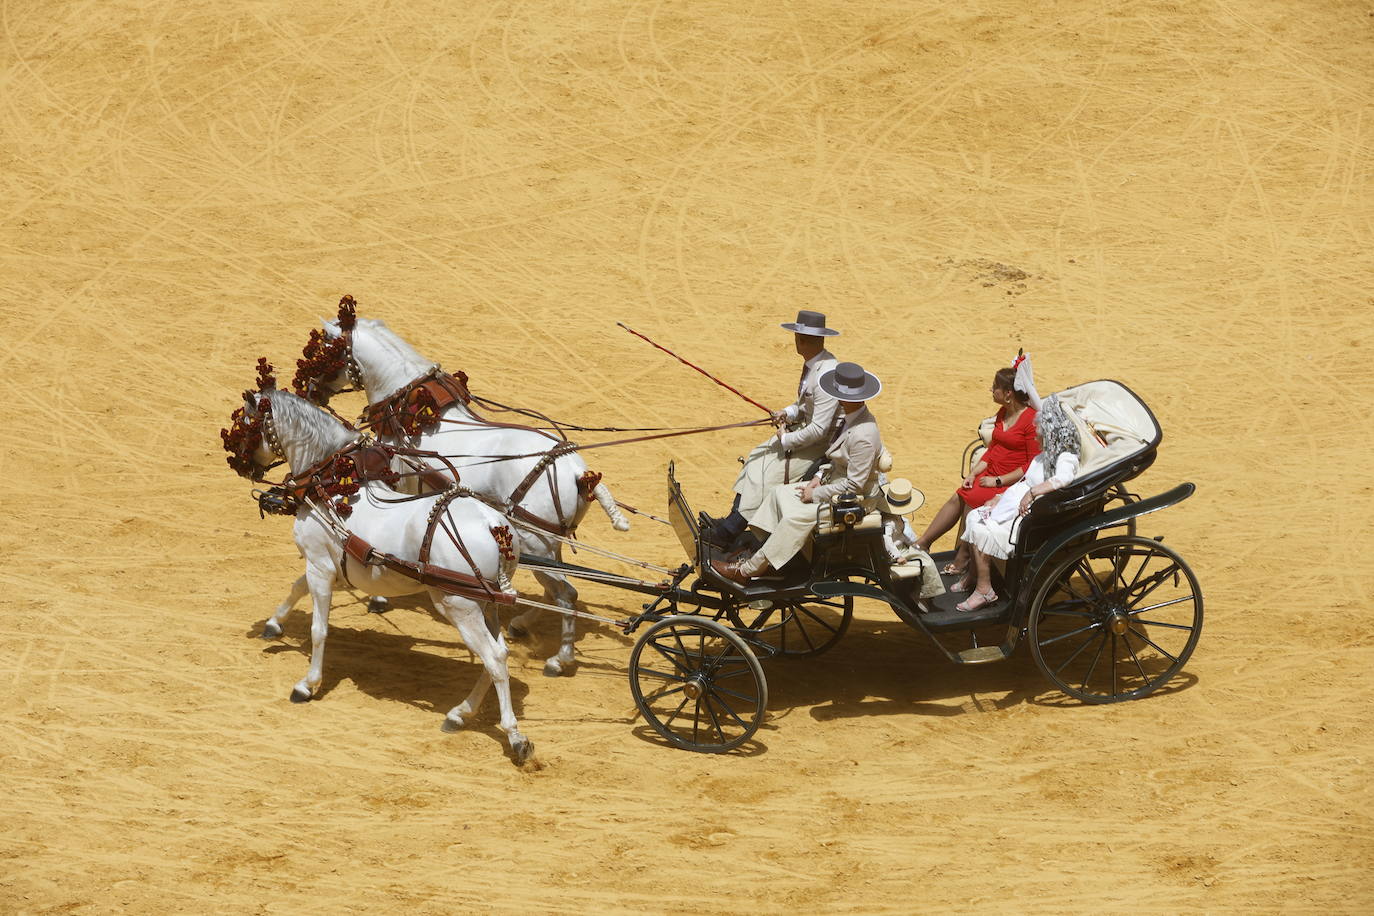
(272, 629)
(458, 716)
(466, 616)
(559, 591)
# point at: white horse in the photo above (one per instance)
(304, 435)
(367, 354)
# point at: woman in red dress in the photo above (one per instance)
(1003, 463)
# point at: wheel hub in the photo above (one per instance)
(695, 687)
(1118, 623)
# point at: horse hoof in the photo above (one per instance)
(300, 695)
(621, 526)
(516, 632)
(552, 668)
(522, 751)
(377, 605)
(271, 630)
(451, 725)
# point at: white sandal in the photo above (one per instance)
(989, 597)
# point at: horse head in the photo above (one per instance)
(251, 439)
(326, 366)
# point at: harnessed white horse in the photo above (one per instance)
(391, 524)
(493, 460)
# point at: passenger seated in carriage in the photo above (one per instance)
(991, 529)
(1009, 452)
(788, 513)
(909, 562)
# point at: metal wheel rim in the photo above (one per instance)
(795, 629)
(698, 684)
(1124, 638)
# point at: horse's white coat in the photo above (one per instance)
(387, 363)
(308, 435)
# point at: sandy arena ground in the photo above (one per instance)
(1173, 194)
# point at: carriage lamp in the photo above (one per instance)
(848, 510)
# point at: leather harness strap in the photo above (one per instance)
(445, 580)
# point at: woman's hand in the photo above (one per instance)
(969, 481)
(988, 481)
(1026, 502)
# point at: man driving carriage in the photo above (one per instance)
(804, 432)
(788, 512)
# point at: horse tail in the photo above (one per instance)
(603, 496)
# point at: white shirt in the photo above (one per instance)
(1009, 504)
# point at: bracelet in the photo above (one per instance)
(999, 481)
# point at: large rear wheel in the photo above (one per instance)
(1116, 619)
(698, 684)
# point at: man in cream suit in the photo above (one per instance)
(804, 431)
(788, 514)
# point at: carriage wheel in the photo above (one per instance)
(795, 628)
(698, 684)
(1116, 619)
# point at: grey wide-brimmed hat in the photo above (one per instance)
(849, 382)
(812, 323)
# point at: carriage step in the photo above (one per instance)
(981, 654)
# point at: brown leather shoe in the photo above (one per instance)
(729, 571)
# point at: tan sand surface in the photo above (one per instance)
(185, 186)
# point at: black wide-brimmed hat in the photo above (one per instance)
(812, 323)
(849, 382)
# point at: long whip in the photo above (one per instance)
(696, 367)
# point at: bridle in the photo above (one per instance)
(325, 357)
(246, 433)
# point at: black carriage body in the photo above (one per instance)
(851, 561)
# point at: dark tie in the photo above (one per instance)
(839, 428)
(801, 384)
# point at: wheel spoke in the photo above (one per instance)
(728, 709)
(1085, 569)
(676, 712)
(1135, 658)
(666, 675)
(715, 721)
(1081, 646)
(1155, 607)
(1093, 667)
(1054, 639)
(1154, 582)
(1151, 643)
(716, 688)
(1113, 660)
(666, 691)
(1161, 623)
(802, 609)
(671, 655)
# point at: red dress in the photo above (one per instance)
(1010, 450)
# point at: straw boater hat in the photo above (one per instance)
(812, 323)
(901, 498)
(849, 382)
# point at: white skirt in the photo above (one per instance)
(992, 538)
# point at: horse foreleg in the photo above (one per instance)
(272, 628)
(321, 584)
(559, 591)
(466, 615)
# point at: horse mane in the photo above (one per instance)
(309, 432)
(389, 339)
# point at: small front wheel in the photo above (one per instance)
(698, 684)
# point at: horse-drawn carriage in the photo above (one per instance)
(1108, 618)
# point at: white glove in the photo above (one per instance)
(791, 412)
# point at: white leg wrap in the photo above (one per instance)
(604, 497)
